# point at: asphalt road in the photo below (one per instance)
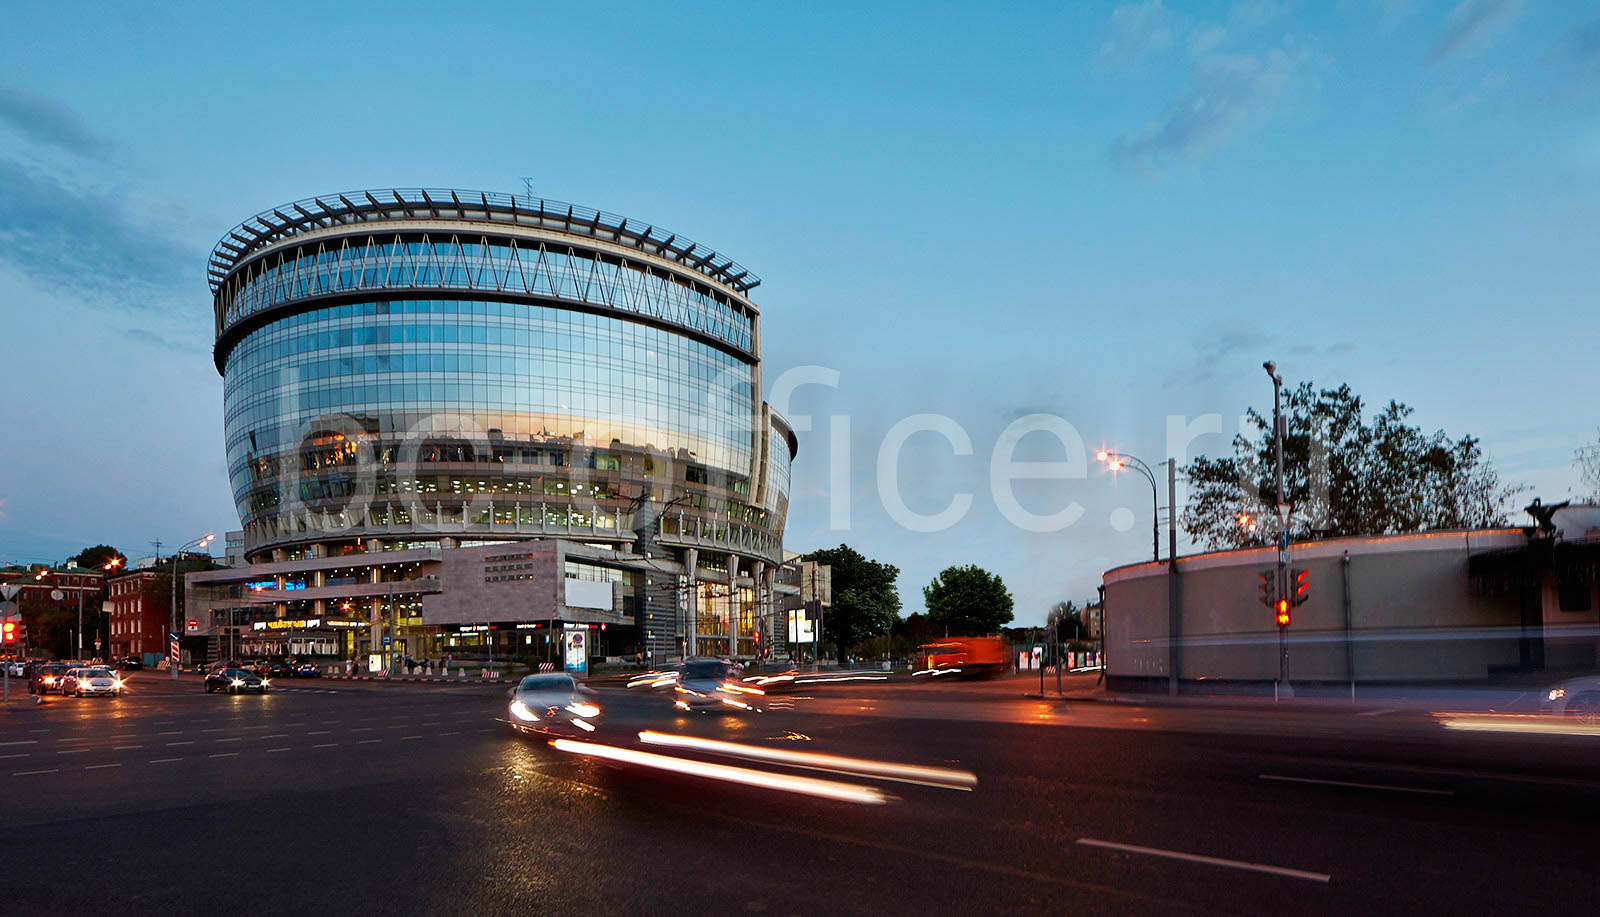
(353, 798)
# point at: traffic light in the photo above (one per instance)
(1267, 576)
(1283, 613)
(1302, 586)
(8, 632)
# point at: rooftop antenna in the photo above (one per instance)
(527, 188)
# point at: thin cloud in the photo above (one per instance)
(49, 123)
(84, 242)
(146, 336)
(1137, 30)
(1579, 49)
(1469, 27)
(1226, 93)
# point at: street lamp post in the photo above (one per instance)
(202, 541)
(1117, 461)
(1281, 580)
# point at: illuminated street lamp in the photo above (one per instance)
(1116, 461)
(202, 541)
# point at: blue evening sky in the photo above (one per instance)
(1110, 213)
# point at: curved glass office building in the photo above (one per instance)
(442, 369)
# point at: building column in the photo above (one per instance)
(691, 558)
(733, 604)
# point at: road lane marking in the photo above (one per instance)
(22, 742)
(317, 732)
(362, 729)
(163, 760)
(216, 729)
(188, 742)
(75, 751)
(403, 738)
(434, 723)
(95, 767)
(1360, 786)
(171, 732)
(48, 770)
(449, 733)
(231, 740)
(1209, 861)
(276, 735)
(21, 755)
(225, 754)
(1376, 712)
(126, 747)
(327, 745)
(368, 741)
(271, 750)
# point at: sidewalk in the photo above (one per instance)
(1369, 699)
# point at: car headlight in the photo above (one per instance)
(584, 709)
(238, 682)
(521, 712)
(117, 684)
(266, 682)
(1556, 694)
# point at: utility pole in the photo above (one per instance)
(1173, 615)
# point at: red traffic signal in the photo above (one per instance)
(1283, 613)
(8, 632)
(1302, 586)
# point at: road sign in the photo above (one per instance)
(57, 595)
(172, 649)
(387, 640)
(9, 610)
(9, 591)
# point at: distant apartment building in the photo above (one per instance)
(43, 584)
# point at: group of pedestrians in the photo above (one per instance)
(352, 665)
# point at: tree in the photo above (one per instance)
(969, 601)
(99, 556)
(1343, 475)
(865, 600)
(1587, 458)
(1065, 620)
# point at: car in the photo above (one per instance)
(131, 663)
(91, 680)
(236, 681)
(46, 678)
(307, 670)
(553, 702)
(707, 684)
(1576, 697)
(17, 669)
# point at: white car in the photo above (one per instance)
(93, 680)
(17, 669)
(553, 702)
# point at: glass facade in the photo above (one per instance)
(398, 389)
(447, 262)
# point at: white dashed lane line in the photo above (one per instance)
(164, 760)
(317, 732)
(95, 767)
(225, 754)
(21, 742)
(21, 755)
(231, 740)
(187, 742)
(48, 770)
(327, 745)
(172, 732)
(126, 747)
(368, 741)
(271, 750)
(403, 738)
(75, 751)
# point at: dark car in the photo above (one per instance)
(131, 663)
(307, 670)
(47, 678)
(236, 681)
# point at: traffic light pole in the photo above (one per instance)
(1282, 579)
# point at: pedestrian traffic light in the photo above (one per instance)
(1283, 613)
(1266, 587)
(1302, 586)
(8, 632)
